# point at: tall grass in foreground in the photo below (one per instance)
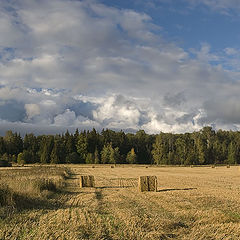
(25, 187)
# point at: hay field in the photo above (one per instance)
(191, 203)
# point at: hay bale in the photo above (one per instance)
(143, 183)
(87, 181)
(147, 183)
(152, 183)
(228, 166)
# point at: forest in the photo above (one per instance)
(206, 146)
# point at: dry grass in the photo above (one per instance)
(191, 203)
(27, 187)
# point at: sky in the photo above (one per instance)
(157, 65)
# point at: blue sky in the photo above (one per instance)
(189, 25)
(158, 65)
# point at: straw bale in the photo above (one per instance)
(152, 183)
(147, 183)
(87, 181)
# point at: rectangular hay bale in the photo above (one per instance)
(152, 183)
(147, 183)
(87, 181)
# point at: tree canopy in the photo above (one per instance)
(202, 147)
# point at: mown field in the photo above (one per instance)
(191, 203)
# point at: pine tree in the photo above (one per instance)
(96, 157)
(82, 146)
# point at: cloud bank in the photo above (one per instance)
(66, 64)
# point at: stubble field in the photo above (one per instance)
(191, 203)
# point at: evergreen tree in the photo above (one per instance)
(72, 158)
(69, 143)
(58, 151)
(82, 146)
(96, 157)
(46, 147)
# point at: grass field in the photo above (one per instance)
(191, 203)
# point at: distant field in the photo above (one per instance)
(191, 203)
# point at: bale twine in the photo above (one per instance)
(87, 181)
(147, 183)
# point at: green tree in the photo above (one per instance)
(5, 157)
(69, 143)
(232, 153)
(90, 158)
(46, 147)
(24, 157)
(82, 146)
(131, 157)
(13, 143)
(106, 153)
(96, 157)
(72, 158)
(114, 155)
(20, 159)
(160, 149)
(58, 151)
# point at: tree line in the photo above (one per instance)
(206, 146)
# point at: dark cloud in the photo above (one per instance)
(174, 100)
(226, 110)
(12, 111)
